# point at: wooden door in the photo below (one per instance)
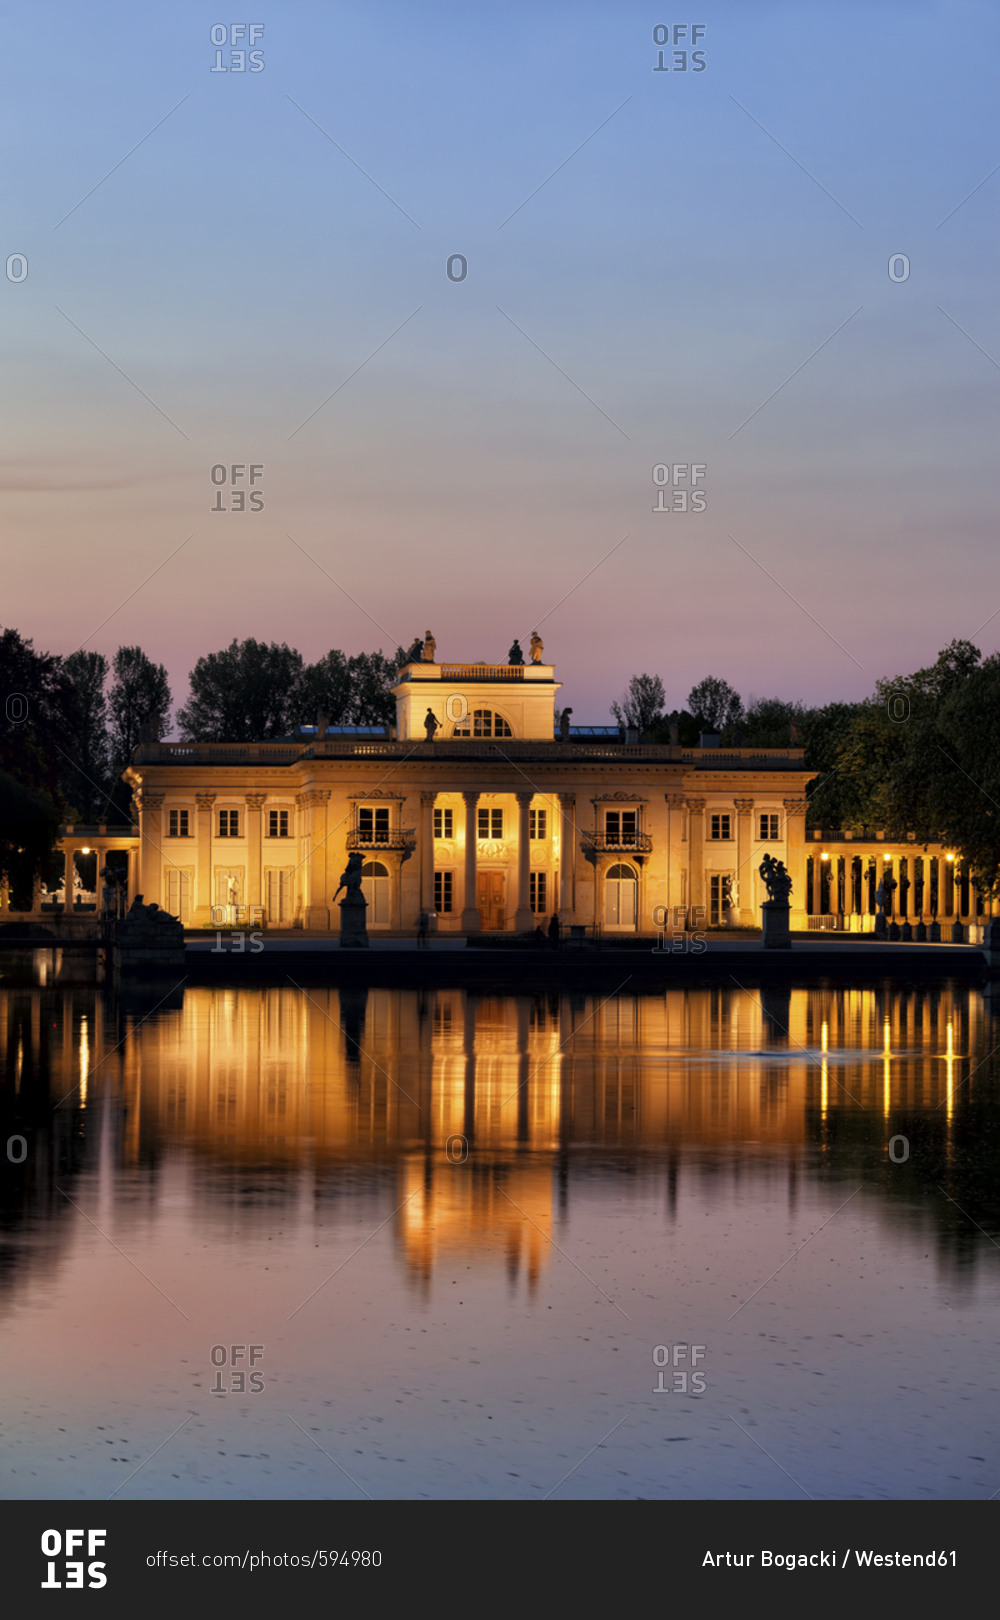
(490, 899)
(179, 894)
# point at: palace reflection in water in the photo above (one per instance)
(462, 1224)
(469, 1116)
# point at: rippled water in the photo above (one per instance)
(486, 1244)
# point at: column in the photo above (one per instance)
(744, 861)
(427, 851)
(253, 898)
(674, 896)
(203, 860)
(697, 908)
(317, 853)
(471, 920)
(69, 870)
(150, 851)
(523, 917)
(567, 858)
(795, 859)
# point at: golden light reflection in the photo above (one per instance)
(461, 1098)
(84, 1058)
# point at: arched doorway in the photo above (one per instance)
(375, 888)
(621, 892)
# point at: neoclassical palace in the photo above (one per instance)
(476, 807)
(482, 809)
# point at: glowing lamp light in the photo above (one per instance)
(949, 857)
(824, 856)
(85, 852)
(887, 857)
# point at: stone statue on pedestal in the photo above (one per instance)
(536, 647)
(430, 647)
(354, 906)
(515, 656)
(776, 933)
(564, 725)
(431, 724)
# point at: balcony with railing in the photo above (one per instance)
(376, 838)
(619, 843)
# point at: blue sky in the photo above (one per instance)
(680, 266)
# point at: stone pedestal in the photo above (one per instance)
(934, 933)
(353, 927)
(920, 932)
(957, 933)
(776, 932)
(881, 929)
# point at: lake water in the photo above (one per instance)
(708, 1243)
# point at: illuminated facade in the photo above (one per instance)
(474, 810)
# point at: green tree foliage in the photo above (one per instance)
(86, 775)
(770, 722)
(139, 698)
(325, 688)
(33, 743)
(246, 693)
(642, 703)
(372, 678)
(717, 704)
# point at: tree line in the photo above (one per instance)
(920, 755)
(70, 725)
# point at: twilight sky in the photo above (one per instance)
(680, 267)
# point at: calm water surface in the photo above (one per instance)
(464, 1231)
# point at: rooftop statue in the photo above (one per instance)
(564, 725)
(515, 656)
(431, 724)
(430, 648)
(536, 647)
(776, 879)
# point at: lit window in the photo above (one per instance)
(536, 891)
(537, 823)
(229, 824)
(277, 824)
(620, 827)
(483, 723)
(442, 890)
(769, 829)
(443, 824)
(373, 825)
(178, 827)
(720, 827)
(490, 823)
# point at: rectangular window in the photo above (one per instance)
(178, 824)
(720, 827)
(536, 891)
(620, 826)
(769, 833)
(443, 824)
(490, 823)
(442, 891)
(373, 825)
(277, 824)
(229, 824)
(537, 823)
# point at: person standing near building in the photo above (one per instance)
(554, 931)
(422, 922)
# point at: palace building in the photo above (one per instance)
(478, 807)
(482, 808)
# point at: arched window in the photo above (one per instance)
(483, 723)
(375, 888)
(621, 888)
